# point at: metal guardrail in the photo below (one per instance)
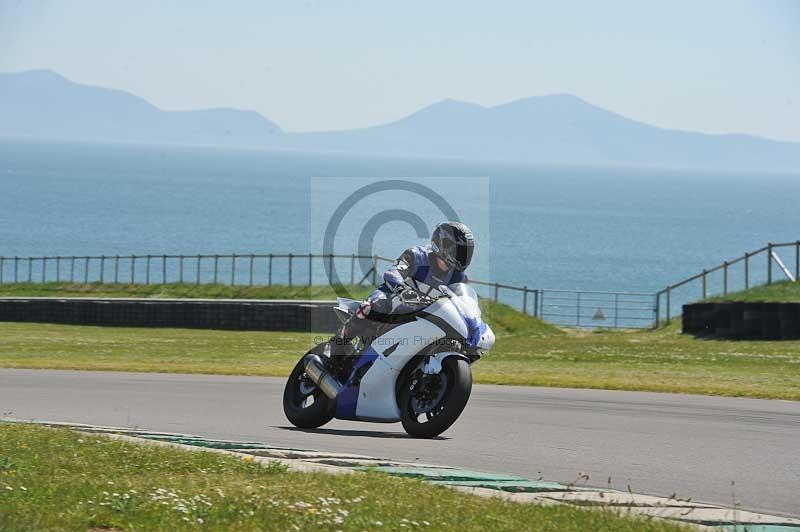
(570, 308)
(749, 276)
(258, 269)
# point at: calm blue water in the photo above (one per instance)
(556, 227)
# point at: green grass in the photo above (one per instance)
(55, 479)
(203, 291)
(528, 352)
(784, 291)
(663, 361)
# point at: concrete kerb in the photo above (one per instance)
(507, 487)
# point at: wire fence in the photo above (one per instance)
(755, 268)
(569, 308)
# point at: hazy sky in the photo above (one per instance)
(712, 66)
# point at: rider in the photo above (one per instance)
(442, 262)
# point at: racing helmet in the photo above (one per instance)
(453, 242)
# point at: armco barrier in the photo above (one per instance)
(236, 314)
(768, 321)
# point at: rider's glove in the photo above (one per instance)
(363, 310)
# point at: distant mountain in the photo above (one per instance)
(554, 129)
(43, 104)
(542, 129)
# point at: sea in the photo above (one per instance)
(555, 227)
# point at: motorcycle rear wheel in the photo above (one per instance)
(304, 404)
(457, 382)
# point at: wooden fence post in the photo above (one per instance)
(290, 269)
(30, 270)
(746, 270)
(197, 270)
(233, 269)
(44, 269)
(86, 270)
(72, 270)
(250, 277)
(310, 256)
(58, 268)
(216, 263)
(797, 261)
(769, 263)
(163, 269)
(525, 299)
(147, 272)
(705, 283)
(669, 305)
(374, 270)
(658, 309)
(180, 268)
(116, 269)
(269, 270)
(102, 269)
(725, 278)
(133, 269)
(16, 269)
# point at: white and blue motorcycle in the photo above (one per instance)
(416, 368)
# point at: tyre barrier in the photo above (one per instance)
(764, 321)
(235, 314)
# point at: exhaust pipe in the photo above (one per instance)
(319, 374)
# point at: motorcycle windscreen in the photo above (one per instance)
(466, 300)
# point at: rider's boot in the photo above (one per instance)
(357, 327)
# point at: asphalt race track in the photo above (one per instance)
(660, 444)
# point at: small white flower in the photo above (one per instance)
(9, 488)
(378, 523)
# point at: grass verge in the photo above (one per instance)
(780, 292)
(201, 291)
(663, 360)
(56, 479)
(528, 351)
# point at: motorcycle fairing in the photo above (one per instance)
(370, 391)
(347, 399)
(371, 396)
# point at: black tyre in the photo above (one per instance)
(430, 404)
(304, 403)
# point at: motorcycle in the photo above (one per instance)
(415, 368)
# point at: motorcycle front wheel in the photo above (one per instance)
(430, 404)
(304, 403)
